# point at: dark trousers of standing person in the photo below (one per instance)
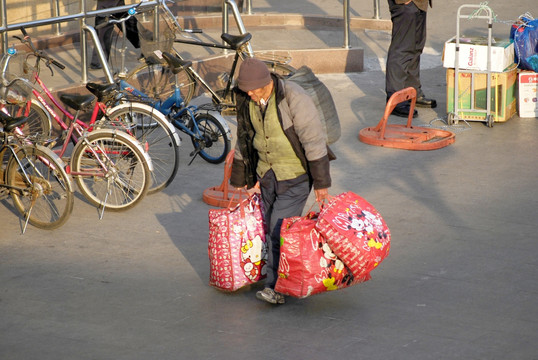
(105, 36)
(407, 44)
(281, 199)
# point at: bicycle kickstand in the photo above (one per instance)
(27, 216)
(103, 205)
(193, 155)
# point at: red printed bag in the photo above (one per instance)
(355, 231)
(237, 249)
(307, 264)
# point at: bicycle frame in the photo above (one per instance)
(75, 131)
(166, 106)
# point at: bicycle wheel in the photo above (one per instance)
(215, 144)
(158, 137)
(111, 169)
(157, 81)
(42, 190)
(38, 119)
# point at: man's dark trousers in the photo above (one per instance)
(281, 199)
(408, 40)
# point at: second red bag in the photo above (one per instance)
(307, 264)
(355, 231)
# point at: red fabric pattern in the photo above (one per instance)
(307, 264)
(356, 232)
(237, 250)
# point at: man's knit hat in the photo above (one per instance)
(253, 74)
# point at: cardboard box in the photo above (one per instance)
(528, 88)
(474, 55)
(503, 96)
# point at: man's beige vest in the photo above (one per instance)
(274, 150)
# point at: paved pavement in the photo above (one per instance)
(460, 282)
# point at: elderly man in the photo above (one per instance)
(280, 144)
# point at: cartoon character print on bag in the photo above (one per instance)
(334, 273)
(356, 232)
(253, 257)
(366, 226)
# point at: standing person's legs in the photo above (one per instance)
(281, 200)
(401, 51)
(420, 40)
(131, 28)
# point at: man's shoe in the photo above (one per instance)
(271, 296)
(96, 66)
(425, 102)
(402, 110)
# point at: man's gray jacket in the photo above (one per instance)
(300, 122)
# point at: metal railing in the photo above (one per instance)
(248, 10)
(87, 29)
(84, 29)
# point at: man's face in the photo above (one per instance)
(257, 94)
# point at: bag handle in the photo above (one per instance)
(241, 205)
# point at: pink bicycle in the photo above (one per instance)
(110, 167)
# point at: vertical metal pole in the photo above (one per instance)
(238, 20)
(156, 23)
(100, 52)
(346, 24)
(83, 44)
(249, 7)
(3, 19)
(224, 17)
(56, 13)
(376, 9)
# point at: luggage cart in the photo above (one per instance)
(454, 117)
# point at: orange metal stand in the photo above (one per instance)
(406, 137)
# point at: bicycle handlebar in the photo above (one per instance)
(40, 54)
(132, 12)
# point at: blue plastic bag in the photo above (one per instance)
(524, 33)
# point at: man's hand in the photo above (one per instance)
(322, 195)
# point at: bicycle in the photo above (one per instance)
(159, 139)
(159, 81)
(34, 176)
(13, 97)
(110, 167)
(208, 130)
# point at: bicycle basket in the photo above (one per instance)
(17, 81)
(21, 65)
(149, 43)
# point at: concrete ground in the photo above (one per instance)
(459, 283)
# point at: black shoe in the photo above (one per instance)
(271, 296)
(96, 66)
(425, 102)
(402, 110)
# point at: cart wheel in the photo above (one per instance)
(489, 120)
(452, 119)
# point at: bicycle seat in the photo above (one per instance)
(236, 41)
(176, 63)
(11, 122)
(101, 90)
(77, 102)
